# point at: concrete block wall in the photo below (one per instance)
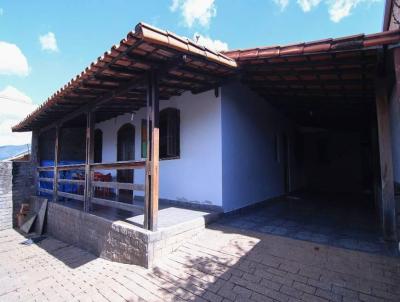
(23, 186)
(6, 208)
(16, 186)
(117, 240)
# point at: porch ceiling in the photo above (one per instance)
(317, 83)
(120, 74)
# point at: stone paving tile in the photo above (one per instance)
(223, 263)
(345, 221)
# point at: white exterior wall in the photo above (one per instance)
(196, 175)
(250, 171)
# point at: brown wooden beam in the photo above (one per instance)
(322, 82)
(277, 66)
(97, 102)
(152, 162)
(35, 160)
(338, 71)
(123, 89)
(388, 204)
(89, 159)
(396, 60)
(56, 155)
(121, 165)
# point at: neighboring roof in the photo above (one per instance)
(186, 66)
(354, 42)
(19, 157)
(119, 74)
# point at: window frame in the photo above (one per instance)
(143, 139)
(169, 114)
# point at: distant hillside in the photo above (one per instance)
(9, 151)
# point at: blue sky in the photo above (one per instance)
(43, 44)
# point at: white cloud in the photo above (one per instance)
(307, 5)
(49, 42)
(337, 9)
(174, 5)
(16, 106)
(217, 45)
(12, 60)
(195, 11)
(282, 3)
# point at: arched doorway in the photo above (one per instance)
(125, 151)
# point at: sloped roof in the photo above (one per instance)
(119, 75)
(353, 42)
(186, 66)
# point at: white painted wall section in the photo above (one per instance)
(250, 171)
(196, 175)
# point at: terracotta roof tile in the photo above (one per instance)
(143, 32)
(326, 45)
(165, 43)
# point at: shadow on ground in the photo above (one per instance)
(242, 265)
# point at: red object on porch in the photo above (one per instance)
(103, 192)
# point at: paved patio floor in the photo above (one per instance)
(221, 264)
(343, 220)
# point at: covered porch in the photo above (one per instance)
(148, 66)
(337, 102)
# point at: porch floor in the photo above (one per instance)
(340, 220)
(168, 214)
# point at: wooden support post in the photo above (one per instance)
(56, 155)
(388, 205)
(396, 61)
(152, 161)
(88, 159)
(35, 159)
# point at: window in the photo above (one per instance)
(126, 143)
(169, 133)
(98, 145)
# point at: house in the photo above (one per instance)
(159, 119)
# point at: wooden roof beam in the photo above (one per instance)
(270, 66)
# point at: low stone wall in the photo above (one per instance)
(6, 207)
(23, 186)
(16, 186)
(117, 240)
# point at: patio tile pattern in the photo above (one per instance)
(221, 264)
(344, 221)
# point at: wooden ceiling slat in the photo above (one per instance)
(266, 83)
